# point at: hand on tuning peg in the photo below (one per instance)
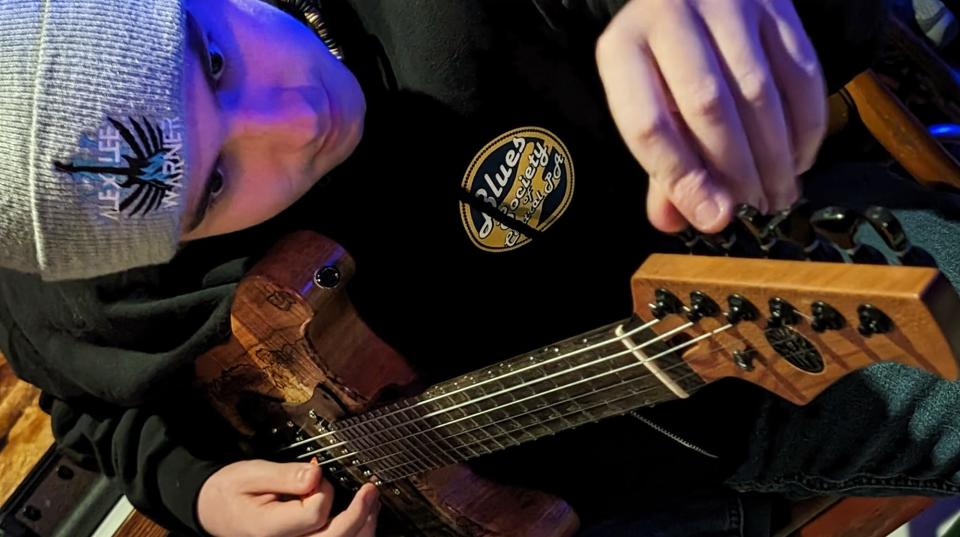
(890, 230)
(840, 226)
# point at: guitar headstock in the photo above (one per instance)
(798, 326)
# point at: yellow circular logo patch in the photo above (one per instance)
(517, 186)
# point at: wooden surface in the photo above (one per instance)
(902, 134)
(864, 517)
(924, 308)
(25, 433)
(137, 525)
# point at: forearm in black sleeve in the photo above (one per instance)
(160, 471)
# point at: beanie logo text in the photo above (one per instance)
(131, 170)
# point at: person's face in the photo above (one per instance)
(268, 110)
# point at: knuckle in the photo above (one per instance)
(687, 185)
(706, 99)
(651, 130)
(756, 87)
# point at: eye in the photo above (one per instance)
(216, 64)
(216, 184)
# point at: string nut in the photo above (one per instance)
(873, 321)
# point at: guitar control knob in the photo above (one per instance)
(701, 305)
(873, 321)
(740, 309)
(666, 303)
(826, 317)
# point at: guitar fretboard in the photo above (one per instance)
(580, 380)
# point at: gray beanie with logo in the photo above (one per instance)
(92, 135)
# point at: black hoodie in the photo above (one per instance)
(444, 79)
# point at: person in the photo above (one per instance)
(144, 171)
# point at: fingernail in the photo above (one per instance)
(707, 212)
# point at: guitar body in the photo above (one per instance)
(302, 374)
(300, 357)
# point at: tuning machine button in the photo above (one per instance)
(740, 309)
(888, 227)
(782, 313)
(873, 321)
(793, 226)
(701, 305)
(755, 223)
(666, 303)
(825, 317)
(840, 225)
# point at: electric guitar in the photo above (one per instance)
(304, 376)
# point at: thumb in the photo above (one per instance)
(279, 478)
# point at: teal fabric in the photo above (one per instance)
(884, 430)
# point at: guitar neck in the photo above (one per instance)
(605, 372)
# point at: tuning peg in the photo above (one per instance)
(698, 244)
(888, 227)
(757, 224)
(666, 303)
(839, 226)
(793, 225)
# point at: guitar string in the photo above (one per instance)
(368, 436)
(512, 373)
(509, 434)
(607, 358)
(522, 429)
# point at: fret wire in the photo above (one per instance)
(685, 379)
(645, 390)
(633, 363)
(600, 360)
(569, 425)
(642, 378)
(351, 422)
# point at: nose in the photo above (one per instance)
(278, 119)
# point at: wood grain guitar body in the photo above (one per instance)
(300, 358)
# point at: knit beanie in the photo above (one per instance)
(92, 135)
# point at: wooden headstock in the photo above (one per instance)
(785, 353)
